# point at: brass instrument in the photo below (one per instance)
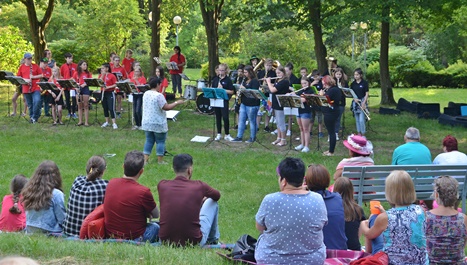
(256, 68)
(365, 111)
(275, 64)
(330, 69)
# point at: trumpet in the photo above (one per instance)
(261, 62)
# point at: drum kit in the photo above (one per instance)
(202, 103)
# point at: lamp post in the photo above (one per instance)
(353, 27)
(177, 21)
(364, 26)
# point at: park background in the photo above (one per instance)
(425, 61)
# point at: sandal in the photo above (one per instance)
(327, 153)
(283, 142)
(54, 124)
(276, 141)
(79, 124)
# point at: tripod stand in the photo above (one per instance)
(130, 117)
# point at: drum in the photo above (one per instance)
(203, 104)
(201, 83)
(190, 92)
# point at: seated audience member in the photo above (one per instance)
(86, 193)
(291, 236)
(317, 179)
(451, 155)
(360, 150)
(43, 200)
(445, 227)
(353, 213)
(412, 152)
(13, 217)
(189, 209)
(402, 227)
(127, 204)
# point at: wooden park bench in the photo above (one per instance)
(369, 181)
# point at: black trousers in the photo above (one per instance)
(138, 108)
(222, 113)
(330, 119)
(108, 103)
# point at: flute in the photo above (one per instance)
(272, 78)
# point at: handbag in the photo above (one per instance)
(244, 248)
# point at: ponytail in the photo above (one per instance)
(95, 168)
(16, 186)
(15, 208)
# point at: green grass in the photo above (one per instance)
(243, 174)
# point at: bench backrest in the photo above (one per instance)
(369, 181)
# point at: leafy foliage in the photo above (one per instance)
(12, 48)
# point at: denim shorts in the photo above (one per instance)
(304, 116)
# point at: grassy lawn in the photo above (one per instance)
(244, 174)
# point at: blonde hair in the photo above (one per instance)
(400, 189)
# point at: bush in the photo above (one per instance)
(12, 48)
(232, 63)
(79, 51)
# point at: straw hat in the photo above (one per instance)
(359, 144)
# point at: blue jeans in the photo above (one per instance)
(360, 121)
(34, 104)
(151, 232)
(249, 112)
(208, 216)
(176, 83)
(159, 139)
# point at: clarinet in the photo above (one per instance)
(30, 78)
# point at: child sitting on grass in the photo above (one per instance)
(43, 200)
(13, 217)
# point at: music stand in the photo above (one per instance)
(316, 101)
(3, 75)
(216, 98)
(127, 87)
(69, 84)
(290, 103)
(96, 82)
(17, 81)
(45, 86)
(254, 94)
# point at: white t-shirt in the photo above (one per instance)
(154, 117)
(451, 158)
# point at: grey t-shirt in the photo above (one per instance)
(294, 229)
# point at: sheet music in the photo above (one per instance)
(172, 114)
(349, 93)
(200, 139)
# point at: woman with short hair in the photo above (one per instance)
(291, 236)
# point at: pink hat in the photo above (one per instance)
(358, 144)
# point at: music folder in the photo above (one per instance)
(253, 93)
(67, 83)
(143, 88)
(4, 74)
(349, 93)
(126, 87)
(216, 96)
(118, 75)
(172, 66)
(16, 80)
(48, 86)
(95, 82)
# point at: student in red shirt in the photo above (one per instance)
(84, 92)
(66, 71)
(164, 83)
(138, 79)
(135, 64)
(32, 74)
(125, 216)
(179, 59)
(46, 74)
(128, 61)
(108, 98)
(189, 209)
(13, 216)
(117, 68)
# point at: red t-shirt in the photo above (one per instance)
(67, 70)
(109, 80)
(11, 222)
(180, 201)
(81, 78)
(24, 71)
(127, 63)
(178, 59)
(127, 205)
(47, 72)
(121, 70)
(138, 81)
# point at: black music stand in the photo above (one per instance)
(316, 101)
(3, 75)
(17, 81)
(216, 97)
(127, 87)
(69, 84)
(45, 86)
(290, 103)
(254, 94)
(96, 82)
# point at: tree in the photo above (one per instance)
(211, 12)
(12, 48)
(155, 32)
(38, 27)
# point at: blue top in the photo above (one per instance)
(294, 229)
(376, 243)
(334, 231)
(49, 219)
(411, 153)
(404, 238)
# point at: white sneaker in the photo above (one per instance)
(288, 133)
(218, 137)
(115, 126)
(135, 127)
(300, 147)
(337, 137)
(228, 137)
(328, 139)
(305, 150)
(105, 124)
(274, 132)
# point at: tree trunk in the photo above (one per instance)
(211, 17)
(38, 27)
(387, 95)
(156, 33)
(314, 8)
